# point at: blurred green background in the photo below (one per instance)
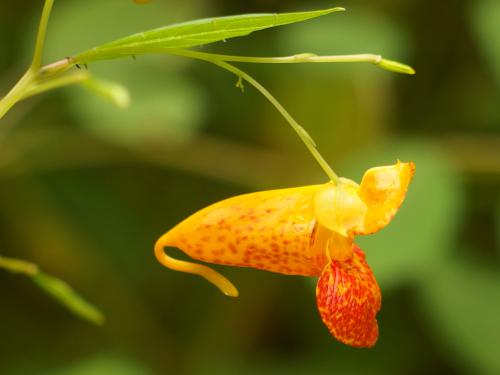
(85, 190)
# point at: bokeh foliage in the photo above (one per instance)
(85, 189)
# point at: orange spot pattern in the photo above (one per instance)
(348, 299)
(270, 230)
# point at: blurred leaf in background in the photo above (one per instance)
(463, 305)
(497, 227)
(104, 365)
(485, 17)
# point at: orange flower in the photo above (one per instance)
(306, 231)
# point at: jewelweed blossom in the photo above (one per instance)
(307, 231)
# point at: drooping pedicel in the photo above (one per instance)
(306, 231)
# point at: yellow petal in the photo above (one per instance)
(340, 247)
(270, 230)
(338, 207)
(383, 189)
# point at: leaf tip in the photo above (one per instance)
(99, 319)
(335, 9)
(68, 297)
(116, 93)
(395, 66)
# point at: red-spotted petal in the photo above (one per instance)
(270, 230)
(348, 299)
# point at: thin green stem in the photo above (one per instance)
(18, 266)
(301, 132)
(42, 31)
(54, 287)
(55, 83)
(301, 58)
(16, 93)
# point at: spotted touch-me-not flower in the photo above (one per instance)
(307, 231)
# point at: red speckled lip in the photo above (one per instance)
(348, 299)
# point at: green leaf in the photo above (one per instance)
(194, 33)
(75, 15)
(65, 294)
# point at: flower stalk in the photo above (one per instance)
(42, 32)
(299, 130)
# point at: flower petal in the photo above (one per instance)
(270, 230)
(383, 190)
(348, 299)
(339, 207)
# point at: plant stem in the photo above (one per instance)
(301, 58)
(16, 93)
(18, 266)
(55, 83)
(301, 132)
(56, 288)
(57, 67)
(42, 31)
